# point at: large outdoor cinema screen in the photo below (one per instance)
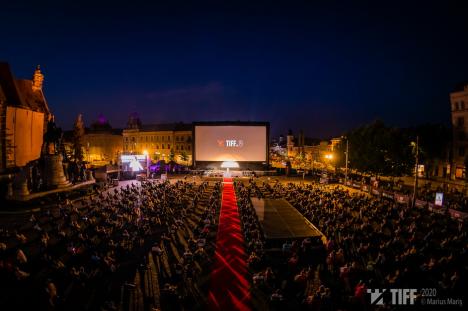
(231, 143)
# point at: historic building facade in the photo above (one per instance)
(306, 153)
(160, 141)
(24, 114)
(459, 112)
(102, 144)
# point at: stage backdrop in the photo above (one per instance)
(230, 143)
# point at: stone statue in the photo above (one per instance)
(52, 155)
(52, 138)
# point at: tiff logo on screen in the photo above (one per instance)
(230, 143)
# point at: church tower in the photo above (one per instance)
(38, 79)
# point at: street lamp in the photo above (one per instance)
(119, 165)
(346, 153)
(416, 156)
(145, 152)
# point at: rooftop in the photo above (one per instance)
(165, 127)
(21, 93)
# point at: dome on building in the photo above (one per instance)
(101, 125)
(134, 121)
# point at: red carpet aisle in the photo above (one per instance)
(229, 284)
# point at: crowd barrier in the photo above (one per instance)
(406, 199)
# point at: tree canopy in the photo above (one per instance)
(382, 150)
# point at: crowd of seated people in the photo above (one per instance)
(286, 279)
(371, 243)
(194, 256)
(78, 255)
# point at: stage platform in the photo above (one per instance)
(280, 220)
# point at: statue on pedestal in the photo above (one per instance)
(52, 139)
(51, 153)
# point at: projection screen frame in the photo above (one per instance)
(233, 123)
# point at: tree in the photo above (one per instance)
(378, 149)
(300, 160)
(171, 155)
(78, 137)
(184, 156)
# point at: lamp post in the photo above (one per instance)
(346, 159)
(145, 152)
(119, 165)
(416, 155)
(87, 151)
(312, 173)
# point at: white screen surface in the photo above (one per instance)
(230, 143)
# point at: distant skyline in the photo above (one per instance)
(322, 66)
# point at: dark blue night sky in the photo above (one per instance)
(321, 66)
